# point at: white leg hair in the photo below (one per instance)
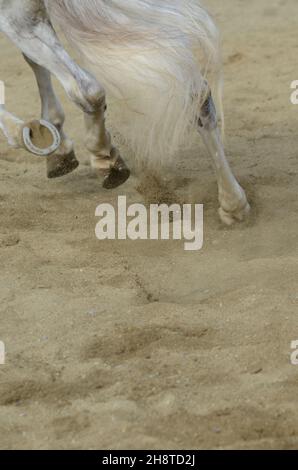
(232, 198)
(40, 44)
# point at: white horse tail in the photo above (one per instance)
(153, 57)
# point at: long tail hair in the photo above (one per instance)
(154, 58)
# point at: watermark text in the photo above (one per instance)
(294, 355)
(159, 222)
(2, 93)
(2, 353)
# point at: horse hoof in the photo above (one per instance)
(117, 175)
(61, 165)
(40, 138)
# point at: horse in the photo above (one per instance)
(156, 62)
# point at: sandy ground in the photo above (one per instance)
(141, 345)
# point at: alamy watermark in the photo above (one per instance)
(2, 353)
(159, 222)
(294, 355)
(294, 94)
(2, 93)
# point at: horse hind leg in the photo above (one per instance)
(63, 161)
(232, 199)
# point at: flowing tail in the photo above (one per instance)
(154, 59)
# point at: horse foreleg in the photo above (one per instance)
(39, 42)
(63, 161)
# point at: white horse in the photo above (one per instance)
(157, 60)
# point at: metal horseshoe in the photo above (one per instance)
(36, 150)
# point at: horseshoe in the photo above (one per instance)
(41, 152)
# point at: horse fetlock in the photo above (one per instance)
(105, 159)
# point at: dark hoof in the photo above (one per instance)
(61, 165)
(117, 176)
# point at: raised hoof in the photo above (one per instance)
(117, 175)
(61, 165)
